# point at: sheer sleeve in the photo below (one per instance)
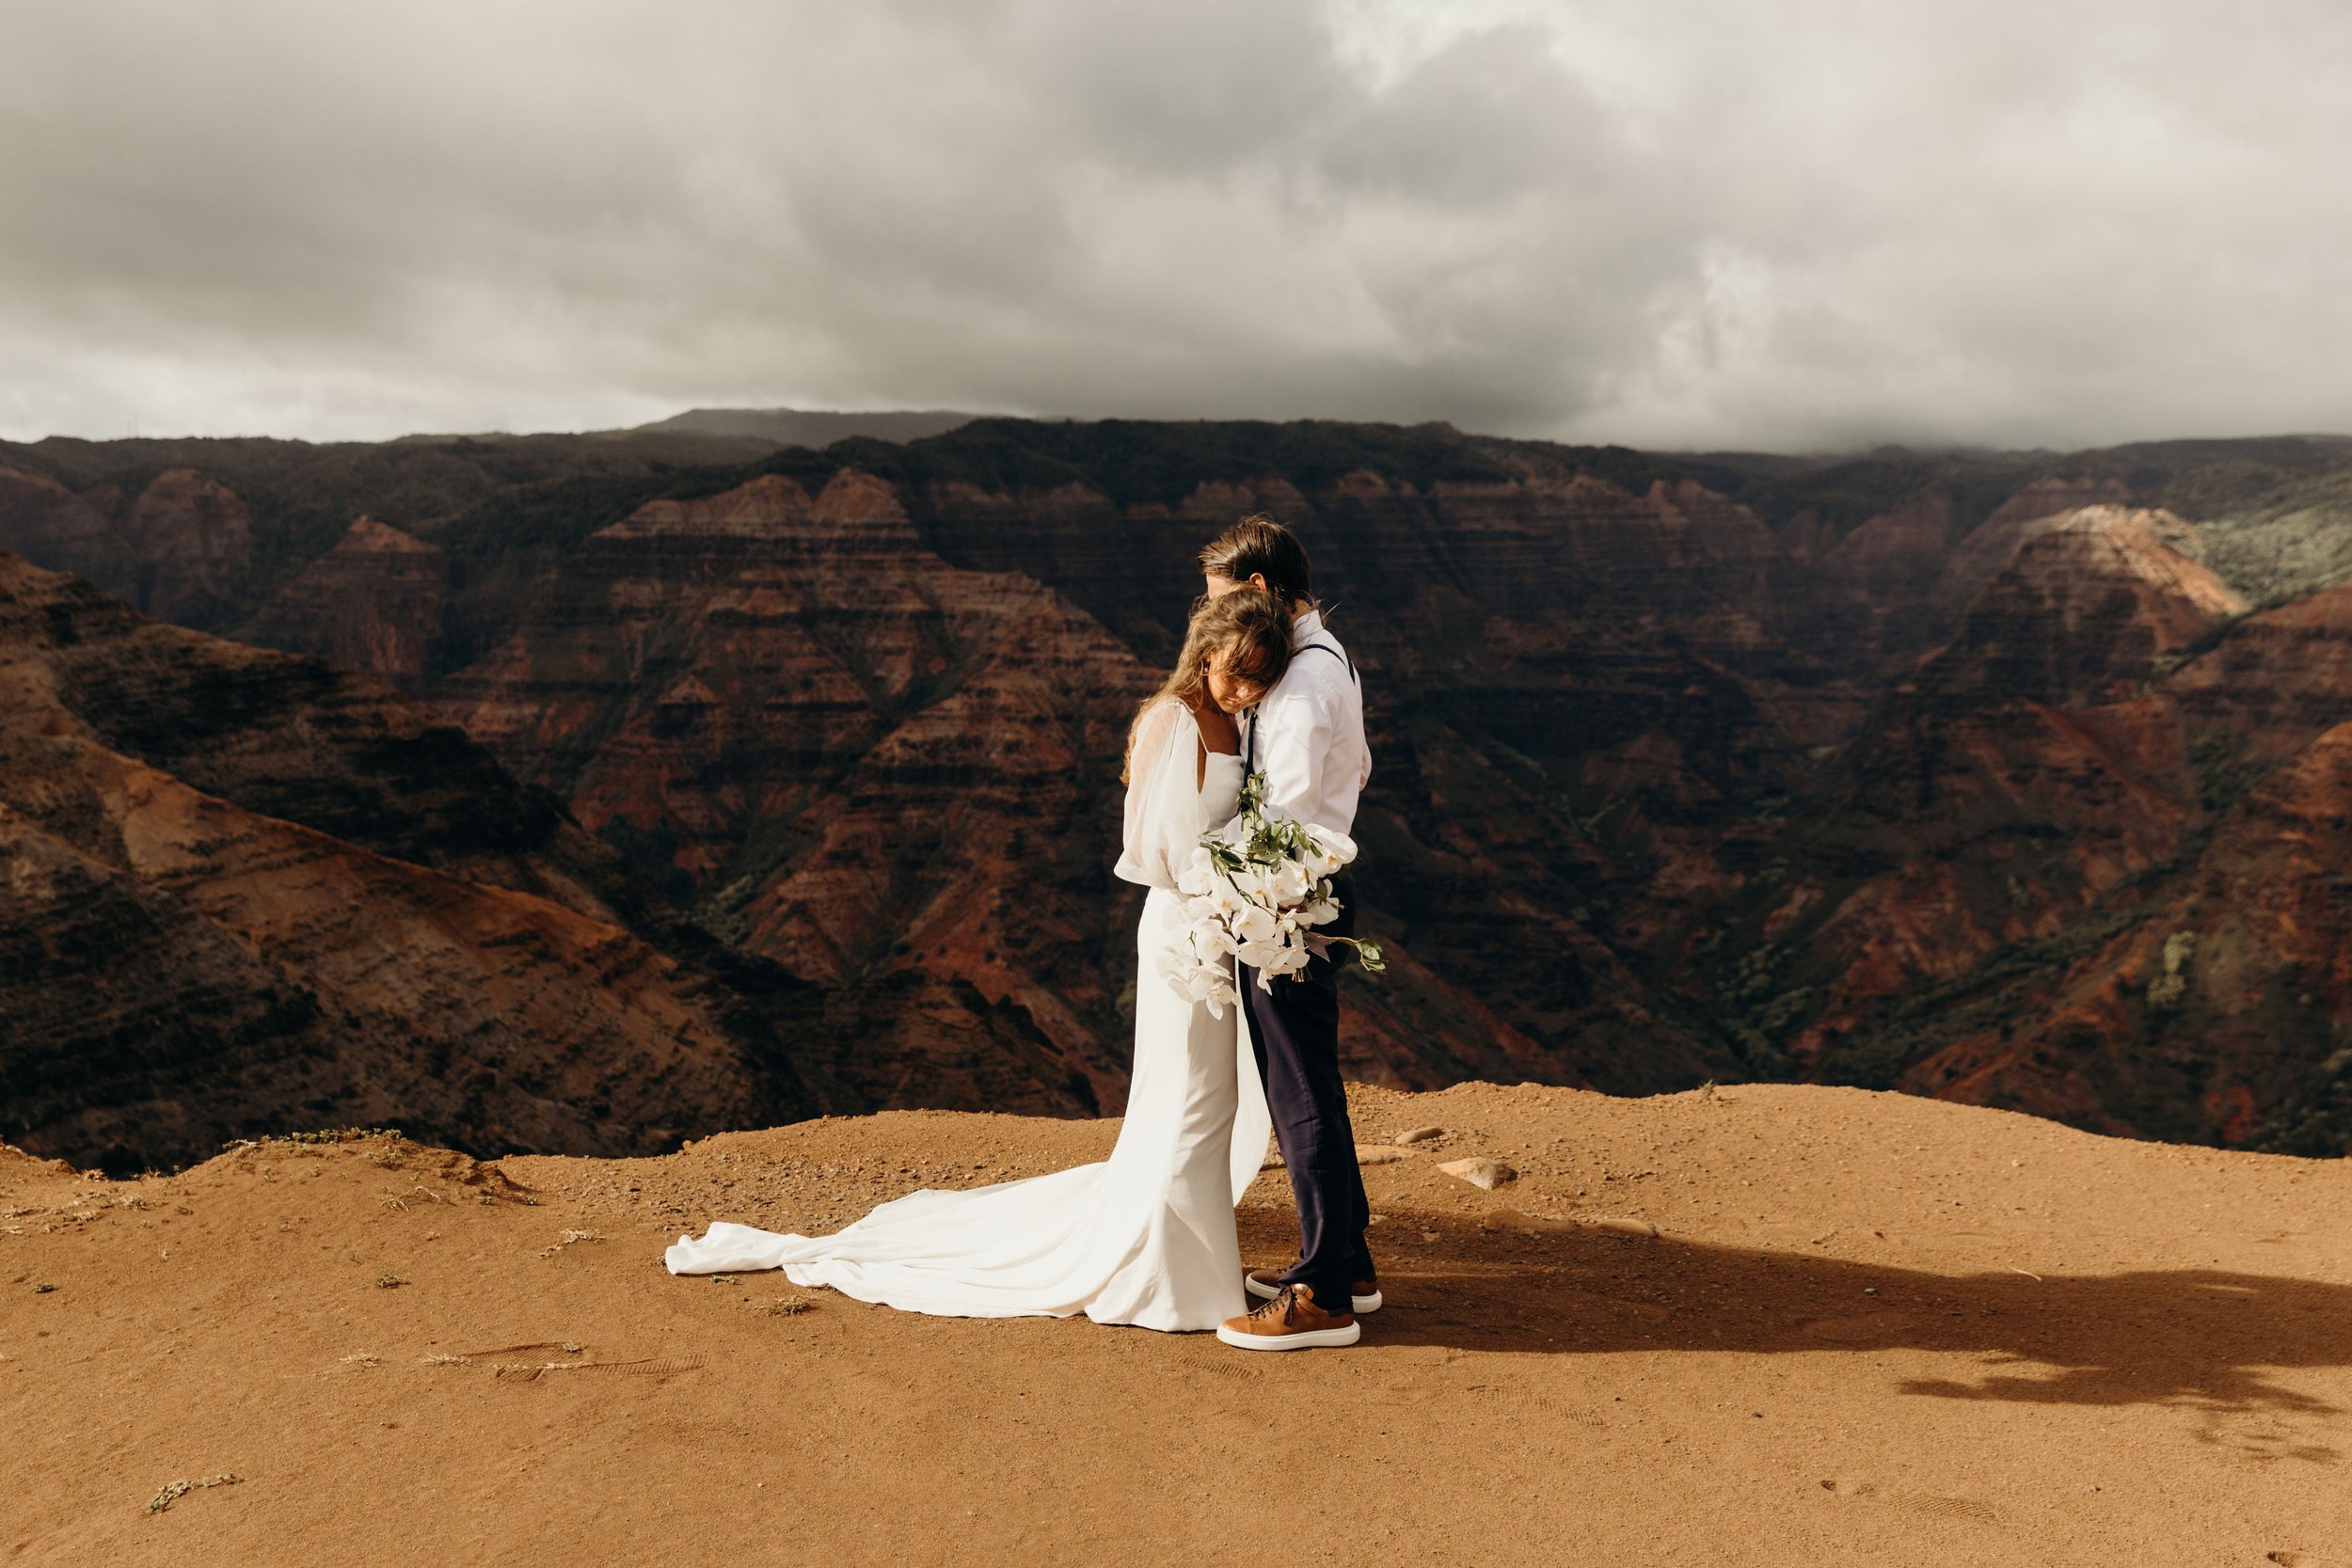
(1162, 797)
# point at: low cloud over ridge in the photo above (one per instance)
(1712, 224)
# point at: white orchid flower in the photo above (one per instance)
(1199, 877)
(1253, 923)
(1210, 938)
(1261, 956)
(1338, 849)
(1288, 884)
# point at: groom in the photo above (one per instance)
(1307, 735)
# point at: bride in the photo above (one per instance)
(1146, 1237)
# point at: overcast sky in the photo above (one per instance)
(1670, 223)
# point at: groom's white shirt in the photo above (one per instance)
(1309, 733)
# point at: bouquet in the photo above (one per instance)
(1256, 890)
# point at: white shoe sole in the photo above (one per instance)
(1358, 1304)
(1314, 1338)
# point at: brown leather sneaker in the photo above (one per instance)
(1291, 1320)
(1265, 1284)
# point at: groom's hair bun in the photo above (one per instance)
(1258, 544)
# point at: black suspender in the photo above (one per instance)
(1250, 744)
(1334, 653)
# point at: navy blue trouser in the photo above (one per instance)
(1295, 1031)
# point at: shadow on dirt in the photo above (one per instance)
(2196, 1338)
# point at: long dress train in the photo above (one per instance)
(1145, 1236)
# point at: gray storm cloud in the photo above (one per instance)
(1703, 224)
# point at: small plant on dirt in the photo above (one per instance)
(344, 1135)
(569, 1238)
(179, 1489)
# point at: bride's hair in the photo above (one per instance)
(1252, 628)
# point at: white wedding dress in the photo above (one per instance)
(1146, 1237)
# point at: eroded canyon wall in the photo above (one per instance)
(1972, 774)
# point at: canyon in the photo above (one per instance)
(2017, 779)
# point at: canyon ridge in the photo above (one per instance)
(578, 795)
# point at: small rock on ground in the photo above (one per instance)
(1480, 1172)
(1625, 1226)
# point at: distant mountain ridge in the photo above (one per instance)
(806, 427)
(2006, 777)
